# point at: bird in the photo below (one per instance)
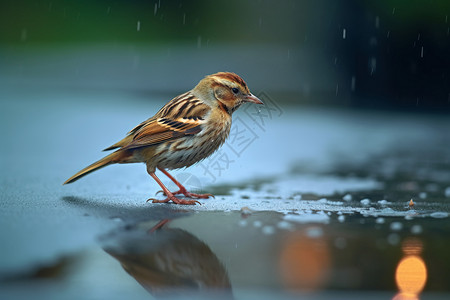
(186, 130)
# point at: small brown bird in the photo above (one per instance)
(184, 131)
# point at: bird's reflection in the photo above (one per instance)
(168, 261)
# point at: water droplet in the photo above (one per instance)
(347, 197)
(421, 52)
(393, 239)
(344, 33)
(365, 202)
(439, 215)
(184, 19)
(314, 232)
(377, 22)
(155, 9)
(340, 243)
(379, 220)
(138, 27)
(396, 226)
(268, 230)
(257, 223)
(416, 229)
(447, 190)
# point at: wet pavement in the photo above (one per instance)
(310, 202)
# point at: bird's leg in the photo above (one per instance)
(182, 189)
(159, 225)
(169, 195)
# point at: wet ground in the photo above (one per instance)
(309, 202)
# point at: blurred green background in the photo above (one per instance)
(374, 54)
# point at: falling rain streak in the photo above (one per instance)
(138, 27)
(344, 33)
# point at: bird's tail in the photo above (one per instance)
(112, 158)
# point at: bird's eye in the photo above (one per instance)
(235, 90)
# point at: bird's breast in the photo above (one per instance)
(188, 150)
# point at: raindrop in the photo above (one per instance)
(337, 89)
(341, 219)
(418, 37)
(377, 22)
(372, 65)
(388, 34)
(108, 10)
(335, 60)
(344, 33)
(156, 9)
(421, 51)
(184, 19)
(353, 84)
(446, 19)
(138, 27)
(199, 41)
(393, 10)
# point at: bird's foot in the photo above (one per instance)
(188, 194)
(175, 200)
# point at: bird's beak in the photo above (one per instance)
(252, 98)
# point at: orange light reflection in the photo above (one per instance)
(304, 262)
(411, 272)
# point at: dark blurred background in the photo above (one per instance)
(382, 54)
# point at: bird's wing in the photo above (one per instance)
(182, 116)
(179, 118)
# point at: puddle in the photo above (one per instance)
(325, 218)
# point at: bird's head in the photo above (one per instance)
(225, 89)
